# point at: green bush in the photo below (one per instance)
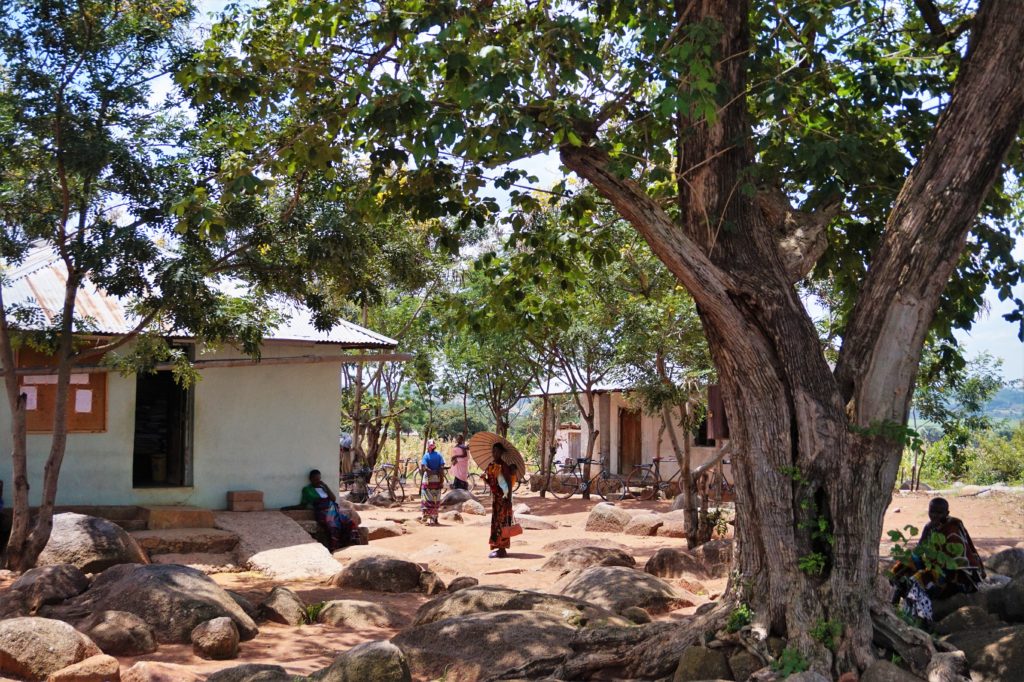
(996, 458)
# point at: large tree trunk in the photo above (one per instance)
(13, 555)
(815, 452)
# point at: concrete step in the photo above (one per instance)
(177, 516)
(207, 563)
(186, 541)
(130, 524)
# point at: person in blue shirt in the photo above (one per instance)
(432, 468)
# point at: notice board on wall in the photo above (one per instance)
(87, 396)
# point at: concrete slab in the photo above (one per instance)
(186, 541)
(274, 544)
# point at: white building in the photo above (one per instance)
(144, 440)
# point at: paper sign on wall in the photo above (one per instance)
(80, 379)
(83, 400)
(31, 397)
(40, 379)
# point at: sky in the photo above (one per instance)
(991, 332)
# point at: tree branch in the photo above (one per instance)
(801, 234)
(934, 212)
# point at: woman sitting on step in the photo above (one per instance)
(341, 530)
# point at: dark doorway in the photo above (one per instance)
(163, 432)
(629, 440)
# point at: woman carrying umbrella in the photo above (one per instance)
(502, 464)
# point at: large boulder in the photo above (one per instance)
(51, 584)
(483, 646)
(369, 662)
(380, 574)
(172, 599)
(457, 496)
(743, 664)
(216, 638)
(616, 588)
(995, 655)
(886, 671)
(967, 618)
(99, 668)
(490, 598)
(119, 633)
(644, 524)
(283, 606)
(90, 543)
(356, 614)
(578, 558)
(153, 671)
(462, 582)
(378, 530)
(252, 672)
(1009, 601)
(716, 556)
(701, 663)
(668, 562)
(534, 522)
(34, 648)
(607, 518)
(1009, 562)
(472, 507)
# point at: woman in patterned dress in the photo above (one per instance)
(501, 478)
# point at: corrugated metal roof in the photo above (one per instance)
(39, 281)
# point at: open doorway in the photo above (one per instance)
(163, 432)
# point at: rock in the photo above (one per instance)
(32, 648)
(173, 600)
(607, 518)
(1009, 562)
(354, 552)
(216, 638)
(636, 615)
(369, 662)
(90, 543)
(472, 507)
(672, 529)
(283, 606)
(743, 664)
(51, 584)
(668, 562)
(534, 522)
(151, 671)
(521, 508)
(996, 655)
(578, 543)
(243, 603)
(716, 556)
(813, 676)
(252, 672)
(357, 614)
(457, 496)
(450, 517)
(431, 583)
(577, 558)
(274, 544)
(378, 530)
(885, 671)
(99, 668)
(379, 574)
(119, 633)
(482, 645)
(616, 588)
(644, 524)
(462, 582)
(941, 608)
(701, 663)
(489, 598)
(967, 618)
(1008, 602)
(201, 561)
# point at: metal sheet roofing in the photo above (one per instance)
(38, 282)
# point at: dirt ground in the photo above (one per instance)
(995, 522)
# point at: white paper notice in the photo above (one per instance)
(80, 379)
(31, 397)
(40, 379)
(83, 400)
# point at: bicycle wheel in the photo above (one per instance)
(608, 487)
(380, 475)
(564, 486)
(641, 484)
(396, 489)
(417, 482)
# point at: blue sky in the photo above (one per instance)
(991, 332)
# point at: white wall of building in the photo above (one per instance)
(256, 428)
(650, 425)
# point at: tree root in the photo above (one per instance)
(933, 660)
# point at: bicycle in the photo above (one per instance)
(646, 480)
(387, 479)
(569, 482)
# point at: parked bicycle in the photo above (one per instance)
(646, 483)
(570, 480)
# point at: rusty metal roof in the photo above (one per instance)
(39, 281)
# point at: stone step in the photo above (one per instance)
(186, 541)
(130, 524)
(176, 516)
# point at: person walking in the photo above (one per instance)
(432, 468)
(501, 478)
(460, 464)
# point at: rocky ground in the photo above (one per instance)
(305, 627)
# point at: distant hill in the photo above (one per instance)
(1008, 404)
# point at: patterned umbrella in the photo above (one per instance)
(480, 450)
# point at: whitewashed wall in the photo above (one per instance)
(256, 428)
